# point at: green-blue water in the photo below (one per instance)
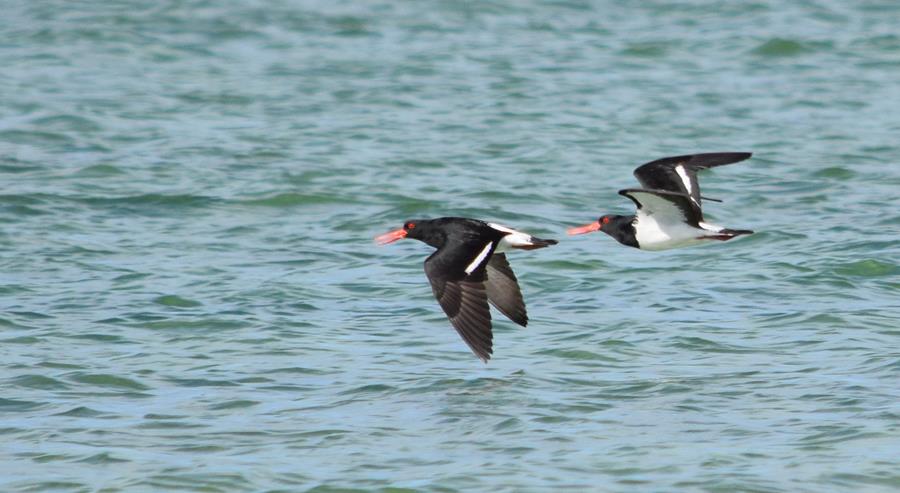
(190, 299)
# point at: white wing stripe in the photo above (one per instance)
(500, 227)
(684, 178)
(479, 259)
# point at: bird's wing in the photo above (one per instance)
(679, 173)
(457, 275)
(665, 206)
(503, 289)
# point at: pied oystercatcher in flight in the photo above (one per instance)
(468, 270)
(668, 207)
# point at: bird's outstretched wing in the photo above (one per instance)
(458, 276)
(679, 173)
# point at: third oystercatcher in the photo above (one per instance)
(468, 270)
(668, 207)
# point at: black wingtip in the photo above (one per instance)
(484, 356)
(480, 348)
(712, 159)
(518, 318)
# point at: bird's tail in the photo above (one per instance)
(726, 234)
(736, 232)
(534, 243)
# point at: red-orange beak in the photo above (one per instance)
(587, 228)
(391, 237)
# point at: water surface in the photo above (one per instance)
(190, 299)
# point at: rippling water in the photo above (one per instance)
(191, 300)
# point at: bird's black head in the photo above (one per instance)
(603, 223)
(609, 222)
(418, 229)
(428, 231)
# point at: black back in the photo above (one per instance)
(458, 240)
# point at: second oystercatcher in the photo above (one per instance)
(668, 207)
(468, 270)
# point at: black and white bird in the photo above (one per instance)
(668, 207)
(468, 270)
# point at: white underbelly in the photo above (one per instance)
(652, 235)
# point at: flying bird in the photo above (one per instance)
(669, 211)
(468, 270)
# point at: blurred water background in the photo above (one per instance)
(190, 299)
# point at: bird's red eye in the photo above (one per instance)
(605, 220)
(410, 225)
